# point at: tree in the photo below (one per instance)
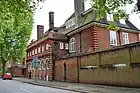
(138, 5)
(115, 7)
(16, 20)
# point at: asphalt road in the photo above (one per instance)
(11, 86)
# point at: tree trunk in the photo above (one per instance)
(3, 68)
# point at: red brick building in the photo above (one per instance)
(44, 48)
(80, 34)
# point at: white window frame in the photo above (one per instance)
(36, 51)
(61, 45)
(39, 49)
(72, 45)
(139, 37)
(32, 52)
(113, 38)
(122, 21)
(43, 48)
(66, 46)
(125, 38)
(28, 54)
(47, 47)
(110, 17)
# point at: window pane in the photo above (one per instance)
(110, 17)
(113, 38)
(61, 46)
(47, 46)
(125, 38)
(38, 49)
(72, 45)
(42, 48)
(66, 46)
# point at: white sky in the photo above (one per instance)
(62, 10)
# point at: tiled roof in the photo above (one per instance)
(87, 17)
(128, 24)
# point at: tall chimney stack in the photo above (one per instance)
(40, 31)
(79, 8)
(51, 20)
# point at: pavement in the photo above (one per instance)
(78, 87)
(12, 86)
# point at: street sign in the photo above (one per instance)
(35, 61)
(35, 64)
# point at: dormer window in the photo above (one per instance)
(110, 17)
(122, 21)
(70, 23)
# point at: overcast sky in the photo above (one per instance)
(62, 10)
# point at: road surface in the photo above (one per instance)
(11, 86)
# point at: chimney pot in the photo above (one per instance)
(40, 31)
(51, 20)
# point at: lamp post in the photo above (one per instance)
(35, 64)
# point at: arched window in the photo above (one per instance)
(72, 45)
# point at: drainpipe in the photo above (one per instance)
(78, 60)
(119, 38)
(80, 42)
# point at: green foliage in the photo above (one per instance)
(16, 20)
(113, 26)
(115, 7)
(0, 72)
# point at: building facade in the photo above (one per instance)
(44, 48)
(81, 34)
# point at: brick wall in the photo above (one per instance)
(86, 39)
(103, 38)
(17, 71)
(71, 70)
(133, 37)
(59, 71)
(105, 73)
